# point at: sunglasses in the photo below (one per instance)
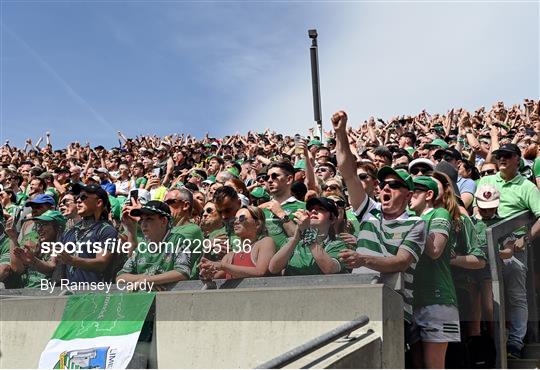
(66, 202)
(208, 211)
(392, 184)
(170, 202)
(340, 204)
(262, 178)
(330, 187)
(504, 155)
(488, 172)
(84, 197)
(424, 170)
(363, 176)
(273, 176)
(321, 169)
(241, 219)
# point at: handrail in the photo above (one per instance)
(494, 234)
(314, 344)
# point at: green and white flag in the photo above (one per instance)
(97, 331)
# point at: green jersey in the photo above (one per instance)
(141, 181)
(518, 194)
(145, 260)
(536, 167)
(433, 282)
(302, 261)
(378, 236)
(464, 242)
(193, 239)
(31, 278)
(274, 224)
(5, 258)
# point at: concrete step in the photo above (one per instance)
(531, 351)
(524, 364)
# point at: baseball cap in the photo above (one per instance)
(233, 171)
(300, 165)
(323, 202)
(401, 174)
(102, 170)
(51, 216)
(41, 199)
(315, 142)
(437, 143)
(93, 189)
(423, 161)
(260, 193)
(487, 196)
(154, 207)
(46, 175)
(426, 183)
(508, 148)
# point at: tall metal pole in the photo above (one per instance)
(315, 81)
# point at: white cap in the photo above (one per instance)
(425, 161)
(487, 196)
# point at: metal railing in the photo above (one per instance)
(314, 344)
(494, 234)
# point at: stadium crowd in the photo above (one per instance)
(414, 194)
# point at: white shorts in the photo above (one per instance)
(437, 323)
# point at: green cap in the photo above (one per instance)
(234, 171)
(437, 143)
(260, 193)
(211, 178)
(51, 216)
(426, 183)
(402, 174)
(315, 142)
(300, 165)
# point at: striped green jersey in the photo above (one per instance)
(385, 237)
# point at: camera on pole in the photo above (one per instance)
(315, 81)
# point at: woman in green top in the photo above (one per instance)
(313, 249)
(28, 262)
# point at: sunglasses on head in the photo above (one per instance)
(392, 184)
(488, 172)
(419, 169)
(340, 204)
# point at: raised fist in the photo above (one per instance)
(339, 120)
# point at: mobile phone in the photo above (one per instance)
(297, 141)
(134, 194)
(157, 171)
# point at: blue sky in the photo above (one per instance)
(84, 70)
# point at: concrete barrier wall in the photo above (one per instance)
(224, 328)
(244, 328)
(22, 336)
